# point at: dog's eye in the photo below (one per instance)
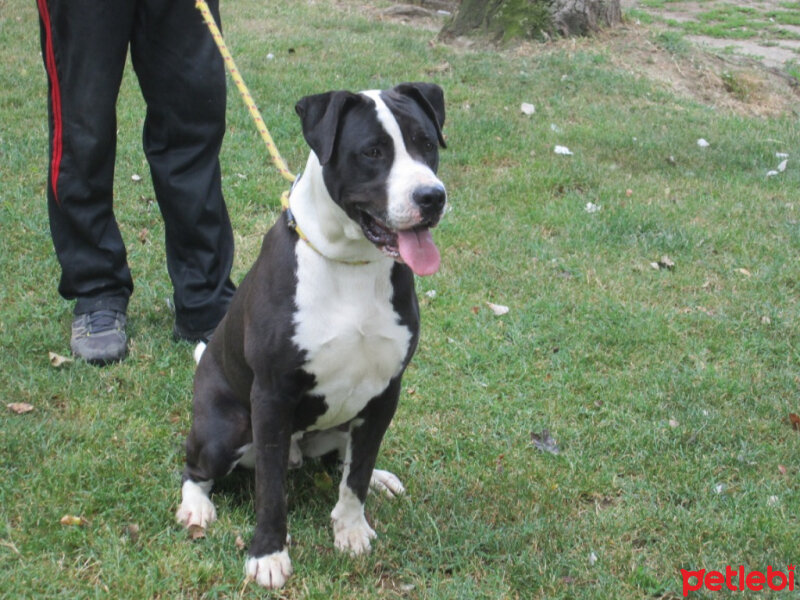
(373, 152)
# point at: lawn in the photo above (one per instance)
(654, 335)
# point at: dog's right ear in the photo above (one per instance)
(320, 115)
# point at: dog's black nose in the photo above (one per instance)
(430, 198)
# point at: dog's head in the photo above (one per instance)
(379, 152)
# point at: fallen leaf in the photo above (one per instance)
(239, 543)
(498, 464)
(544, 442)
(744, 272)
(143, 235)
(666, 263)
(782, 469)
(323, 481)
(629, 192)
(73, 521)
(497, 309)
(20, 407)
(794, 420)
(56, 360)
(475, 310)
(132, 531)
(440, 68)
(196, 532)
(527, 109)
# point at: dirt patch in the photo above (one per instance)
(761, 39)
(736, 83)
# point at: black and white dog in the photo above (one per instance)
(309, 357)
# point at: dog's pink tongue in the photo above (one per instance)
(418, 251)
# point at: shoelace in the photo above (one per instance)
(102, 320)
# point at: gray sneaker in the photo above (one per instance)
(98, 337)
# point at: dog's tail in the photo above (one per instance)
(198, 351)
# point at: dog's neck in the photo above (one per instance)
(328, 228)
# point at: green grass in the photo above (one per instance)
(668, 391)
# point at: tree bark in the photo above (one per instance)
(531, 19)
(582, 17)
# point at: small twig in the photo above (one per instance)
(9, 545)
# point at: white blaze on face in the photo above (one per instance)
(407, 174)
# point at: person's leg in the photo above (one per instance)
(182, 78)
(84, 46)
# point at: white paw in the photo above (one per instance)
(198, 351)
(196, 509)
(353, 538)
(386, 483)
(271, 570)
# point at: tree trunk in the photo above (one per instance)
(582, 17)
(532, 19)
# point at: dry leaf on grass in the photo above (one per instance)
(73, 521)
(239, 543)
(497, 309)
(544, 442)
(196, 532)
(132, 531)
(794, 420)
(56, 360)
(744, 272)
(20, 407)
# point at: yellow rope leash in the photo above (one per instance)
(277, 159)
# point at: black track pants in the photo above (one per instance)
(182, 78)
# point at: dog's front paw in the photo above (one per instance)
(353, 538)
(387, 483)
(271, 570)
(196, 509)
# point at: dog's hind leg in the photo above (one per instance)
(214, 445)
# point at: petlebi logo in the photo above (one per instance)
(738, 580)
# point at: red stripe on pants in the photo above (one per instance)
(55, 97)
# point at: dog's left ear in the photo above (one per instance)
(430, 97)
(320, 115)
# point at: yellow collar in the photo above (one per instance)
(292, 223)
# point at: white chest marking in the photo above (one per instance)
(349, 330)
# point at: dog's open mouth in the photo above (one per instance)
(415, 247)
